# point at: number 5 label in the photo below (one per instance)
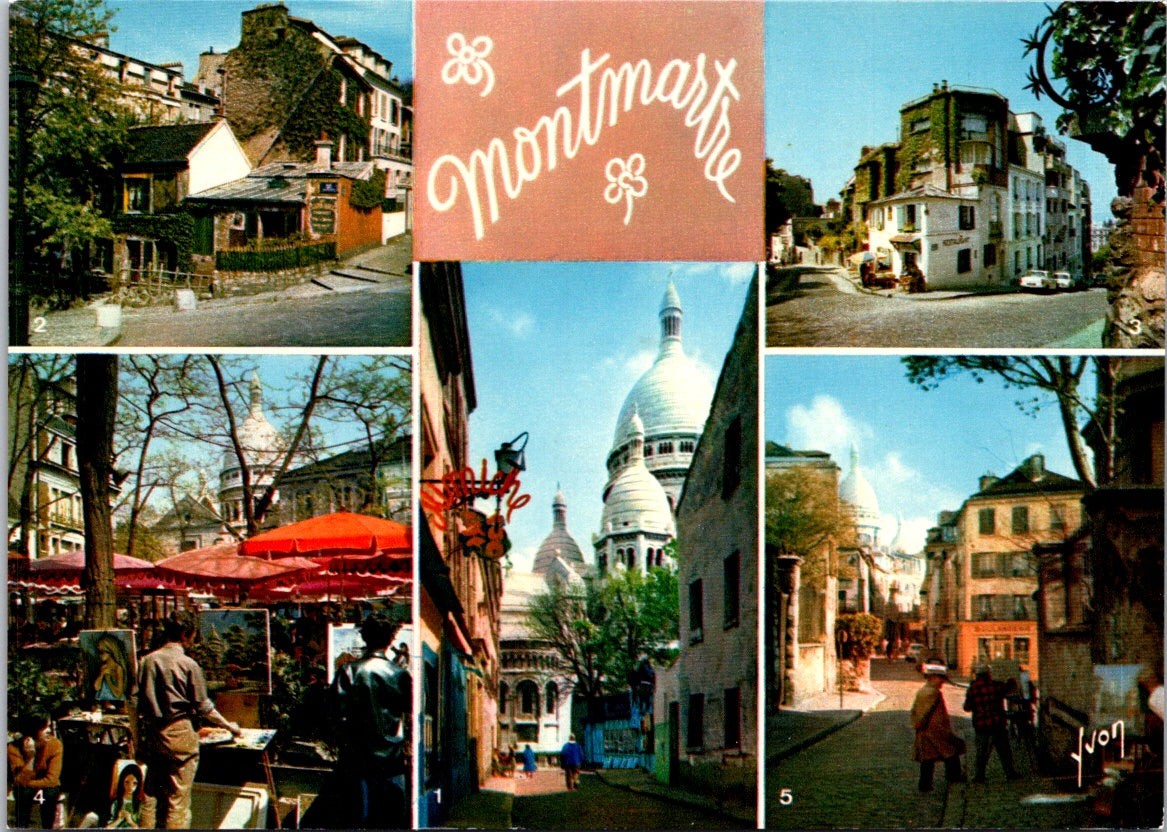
(786, 797)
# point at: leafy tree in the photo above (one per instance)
(602, 628)
(1060, 377)
(1111, 58)
(787, 196)
(74, 126)
(640, 619)
(805, 518)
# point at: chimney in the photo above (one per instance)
(987, 481)
(1035, 467)
(324, 153)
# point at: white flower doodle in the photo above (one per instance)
(469, 62)
(625, 182)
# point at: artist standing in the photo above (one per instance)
(172, 694)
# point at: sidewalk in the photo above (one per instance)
(790, 730)
(641, 782)
(388, 268)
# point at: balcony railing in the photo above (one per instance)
(996, 232)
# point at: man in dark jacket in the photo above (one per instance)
(372, 699)
(985, 699)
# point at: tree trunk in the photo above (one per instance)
(97, 390)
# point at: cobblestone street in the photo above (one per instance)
(863, 776)
(543, 803)
(820, 311)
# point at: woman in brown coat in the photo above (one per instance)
(934, 737)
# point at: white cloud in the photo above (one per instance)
(825, 426)
(896, 471)
(517, 323)
(635, 365)
(913, 532)
(522, 558)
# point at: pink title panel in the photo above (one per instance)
(595, 130)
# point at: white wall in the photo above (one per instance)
(218, 159)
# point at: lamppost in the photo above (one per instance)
(21, 83)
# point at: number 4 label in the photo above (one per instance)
(39, 797)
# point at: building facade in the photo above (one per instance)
(289, 83)
(44, 495)
(968, 192)
(461, 593)
(714, 718)
(991, 574)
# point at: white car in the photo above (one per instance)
(1038, 279)
(1067, 281)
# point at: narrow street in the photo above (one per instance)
(817, 309)
(544, 803)
(863, 775)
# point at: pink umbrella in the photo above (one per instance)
(72, 562)
(222, 563)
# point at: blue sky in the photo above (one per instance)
(557, 347)
(161, 31)
(921, 451)
(837, 74)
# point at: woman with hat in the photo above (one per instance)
(934, 737)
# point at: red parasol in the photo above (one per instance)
(342, 533)
(222, 563)
(348, 586)
(67, 562)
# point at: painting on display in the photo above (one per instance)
(345, 645)
(234, 650)
(111, 663)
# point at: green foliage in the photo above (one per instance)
(787, 196)
(72, 119)
(805, 518)
(863, 630)
(1110, 58)
(320, 113)
(603, 628)
(176, 227)
(34, 685)
(640, 620)
(368, 193)
(147, 545)
(262, 259)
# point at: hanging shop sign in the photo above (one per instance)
(458, 489)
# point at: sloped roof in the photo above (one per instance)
(279, 182)
(1019, 482)
(353, 460)
(923, 192)
(169, 143)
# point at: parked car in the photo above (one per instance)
(915, 652)
(1067, 282)
(1038, 279)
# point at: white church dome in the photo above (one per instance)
(636, 499)
(559, 543)
(857, 492)
(673, 395)
(259, 440)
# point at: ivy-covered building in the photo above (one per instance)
(163, 166)
(964, 193)
(289, 84)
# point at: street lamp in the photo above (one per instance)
(22, 83)
(510, 458)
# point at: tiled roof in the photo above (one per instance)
(280, 182)
(169, 143)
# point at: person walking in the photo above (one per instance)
(571, 758)
(172, 694)
(986, 701)
(372, 698)
(529, 767)
(934, 737)
(34, 770)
